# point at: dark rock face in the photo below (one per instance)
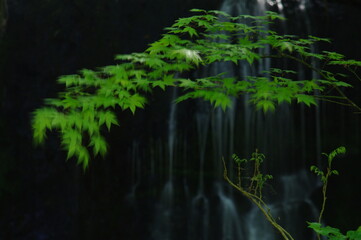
(3, 16)
(41, 195)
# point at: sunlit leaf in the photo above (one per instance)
(188, 54)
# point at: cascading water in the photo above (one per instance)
(290, 210)
(194, 202)
(199, 220)
(164, 211)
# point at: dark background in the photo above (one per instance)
(44, 197)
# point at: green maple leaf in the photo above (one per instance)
(154, 62)
(189, 55)
(169, 80)
(319, 39)
(184, 97)
(136, 101)
(160, 84)
(108, 118)
(69, 80)
(72, 150)
(283, 95)
(342, 84)
(221, 100)
(92, 127)
(213, 57)
(310, 86)
(191, 31)
(266, 105)
(354, 235)
(118, 71)
(306, 99)
(234, 59)
(183, 22)
(242, 86)
(218, 36)
(346, 63)
(99, 145)
(198, 10)
(229, 83)
(143, 84)
(187, 83)
(274, 15)
(83, 156)
(74, 119)
(286, 46)
(42, 120)
(333, 55)
(70, 102)
(54, 102)
(71, 140)
(263, 94)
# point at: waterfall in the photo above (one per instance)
(199, 220)
(290, 210)
(164, 210)
(188, 198)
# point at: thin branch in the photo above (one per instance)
(328, 100)
(352, 103)
(259, 203)
(337, 97)
(354, 73)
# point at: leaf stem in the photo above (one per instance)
(262, 206)
(352, 103)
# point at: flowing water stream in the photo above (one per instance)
(194, 202)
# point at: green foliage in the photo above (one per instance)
(252, 187)
(329, 232)
(253, 191)
(91, 97)
(334, 233)
(256, 181)
(329, 171)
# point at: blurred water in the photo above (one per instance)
(192, 201)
